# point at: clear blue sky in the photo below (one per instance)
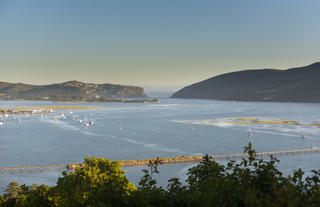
(157, 44)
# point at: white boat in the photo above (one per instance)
(1, 123)
(86, 124)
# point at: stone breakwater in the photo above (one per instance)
(171, 160)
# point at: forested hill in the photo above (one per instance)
(300, 84)
(68, 91)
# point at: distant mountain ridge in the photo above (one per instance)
(68, 91)
(301, 84)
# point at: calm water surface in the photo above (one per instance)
(174, 127)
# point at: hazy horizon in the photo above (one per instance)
(161, 46)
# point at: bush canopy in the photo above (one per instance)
(101, 182)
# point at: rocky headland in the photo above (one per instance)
(300, 84)
(71, 91)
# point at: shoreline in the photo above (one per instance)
(39, 109)
(107, 100)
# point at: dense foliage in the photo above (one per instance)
(251, 182)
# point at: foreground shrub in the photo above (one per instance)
(250, 182)
(100, 181)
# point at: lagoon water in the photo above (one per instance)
(173, 127)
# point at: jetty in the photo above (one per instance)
(166, 160)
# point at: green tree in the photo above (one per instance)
(148, 193)
(12, 190)
(100, 182)
(34, 196)
(2, 200)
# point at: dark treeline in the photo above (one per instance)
(251, 182)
